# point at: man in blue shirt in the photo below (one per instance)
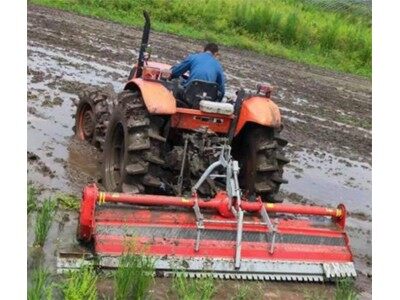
(202, 66)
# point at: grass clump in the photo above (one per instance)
(193, 289)
(133, 277)
(69, 202)
(43, 221)
(80, 284)
(246, 290)
(32, 197)
(315, 295)
(345, 289)
(41, 287)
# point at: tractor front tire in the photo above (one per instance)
(91, 118)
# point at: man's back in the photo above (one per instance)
(202, 66)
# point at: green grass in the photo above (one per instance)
(315, 295)
(80, 284)
(295, 30)
(345, 290)
(41, 287)
(32, 198)
(43, 221)
(133, 277)
(69, 202)
(193, 289)
(244, 291)
(248, 290)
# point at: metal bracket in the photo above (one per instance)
(267, 221)
(199, 224)
(234, 195)
(180, 178)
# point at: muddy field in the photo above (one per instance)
(327, 119)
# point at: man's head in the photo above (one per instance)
(213, 48)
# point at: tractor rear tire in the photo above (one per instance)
(92, 116)
(133, 146)
(262, 164)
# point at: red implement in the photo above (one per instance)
(305, 243)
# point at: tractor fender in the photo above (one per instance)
(259, 110)
(158, 99)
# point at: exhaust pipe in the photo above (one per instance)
(143, 46)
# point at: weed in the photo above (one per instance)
(315, 295)
(345, 290)
(243, 292)
(193, 289)
(41, 287)
(69, 202)
(43, 221)
(246, 290)
(32, 197)
(290, 29)
(80, 284)
(329, 36)
(134, 276)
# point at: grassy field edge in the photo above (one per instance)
(269, 48)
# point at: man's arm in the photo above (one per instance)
(181, 68)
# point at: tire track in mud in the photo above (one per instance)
(327, 115)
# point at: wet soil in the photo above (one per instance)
(327, 119)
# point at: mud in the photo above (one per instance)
(326, 115)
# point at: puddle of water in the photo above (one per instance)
(294, 119)
(300, 101)
(327, 179)
(50, 127)
(72, 67)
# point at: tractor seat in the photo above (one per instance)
(198, 90)
(216, 107)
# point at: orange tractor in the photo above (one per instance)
(196, 181)
(149, 136)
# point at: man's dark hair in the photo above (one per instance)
(213, 48)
